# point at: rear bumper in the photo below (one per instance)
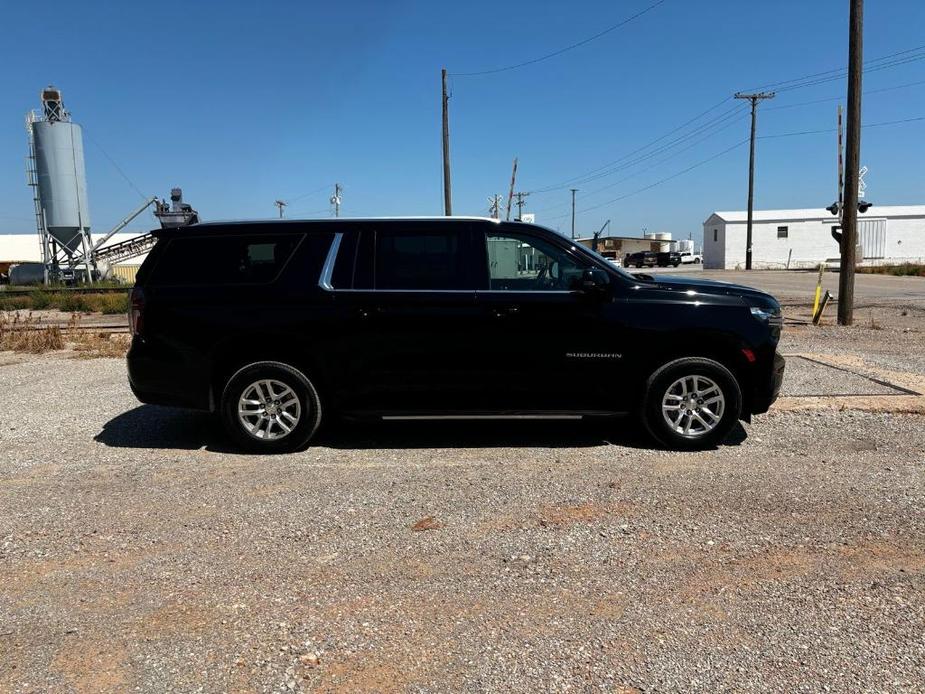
(765, 392)
(159, 379)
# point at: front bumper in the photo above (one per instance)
(765, 393)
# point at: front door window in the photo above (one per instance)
(526, 264)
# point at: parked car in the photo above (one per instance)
(688, 257)
(280, 326)
(666, 258)
(641, 259)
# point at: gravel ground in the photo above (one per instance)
(137, 553)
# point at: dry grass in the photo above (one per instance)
(25, 333)
(900, 270)
(69, 302)
(20, 333)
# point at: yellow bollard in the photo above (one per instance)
(818, 289)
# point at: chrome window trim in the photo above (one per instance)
(328, 268)
(457, 291)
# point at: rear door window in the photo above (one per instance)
(224, 259)
(422, 259)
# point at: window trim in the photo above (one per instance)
(327, 270)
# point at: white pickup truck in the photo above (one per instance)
(688, 257)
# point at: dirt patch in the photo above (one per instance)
(94, 666)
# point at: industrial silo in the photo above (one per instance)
(60, 175)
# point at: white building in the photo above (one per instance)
(803, 238)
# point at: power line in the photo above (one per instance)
(663, 180)
(562, 50)
(115, 165)
(566, 183)
(832, 130)
(311, 192)
(655, 165)
(711, 127)
(841, 71)
(841, 97)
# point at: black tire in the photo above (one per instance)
(309, 404)
(657, 388)
(696, 261)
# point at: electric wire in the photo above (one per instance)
(562, 50)
(660, 181)
(648, 168)
(837, 72)
(726, 151)
(567, 182)
(841, 98)
(115, 165)
(832, 130)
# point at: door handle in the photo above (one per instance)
(505, 311)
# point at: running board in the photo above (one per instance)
(520, 415)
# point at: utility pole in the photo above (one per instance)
(574, 190)
(280, 204)
(447, 192)
(849, 240)
(510, 195)
(520, 204)
(494, 207)
(754, 98)
(336, 198)
(841, 159)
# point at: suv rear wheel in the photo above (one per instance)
(270, 407)
(691, 403)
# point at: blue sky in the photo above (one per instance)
(244, 103)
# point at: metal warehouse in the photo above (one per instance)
(803, 238)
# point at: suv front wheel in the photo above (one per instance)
(270, 407)
(691, 403)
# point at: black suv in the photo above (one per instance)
(641, 259)
(667, 258)
(279, 325)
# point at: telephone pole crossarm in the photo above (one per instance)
(754, 99)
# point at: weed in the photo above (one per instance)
(26, 333)
(900, 270)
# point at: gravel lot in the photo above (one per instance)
(137, 553)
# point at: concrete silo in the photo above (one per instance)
(59, 180)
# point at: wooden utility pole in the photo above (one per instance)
(336, 198)
(754, 98)
(510, 195)
(841, 159)
(447, 192)
(574, 190)
(520, 204)
(849, 239)
(280, 204)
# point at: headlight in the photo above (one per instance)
(770, 315)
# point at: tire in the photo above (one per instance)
(277, 384)
(664, 388)
(696, 261)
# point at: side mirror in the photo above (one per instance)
(593, 281)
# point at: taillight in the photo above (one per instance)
(136, 312)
